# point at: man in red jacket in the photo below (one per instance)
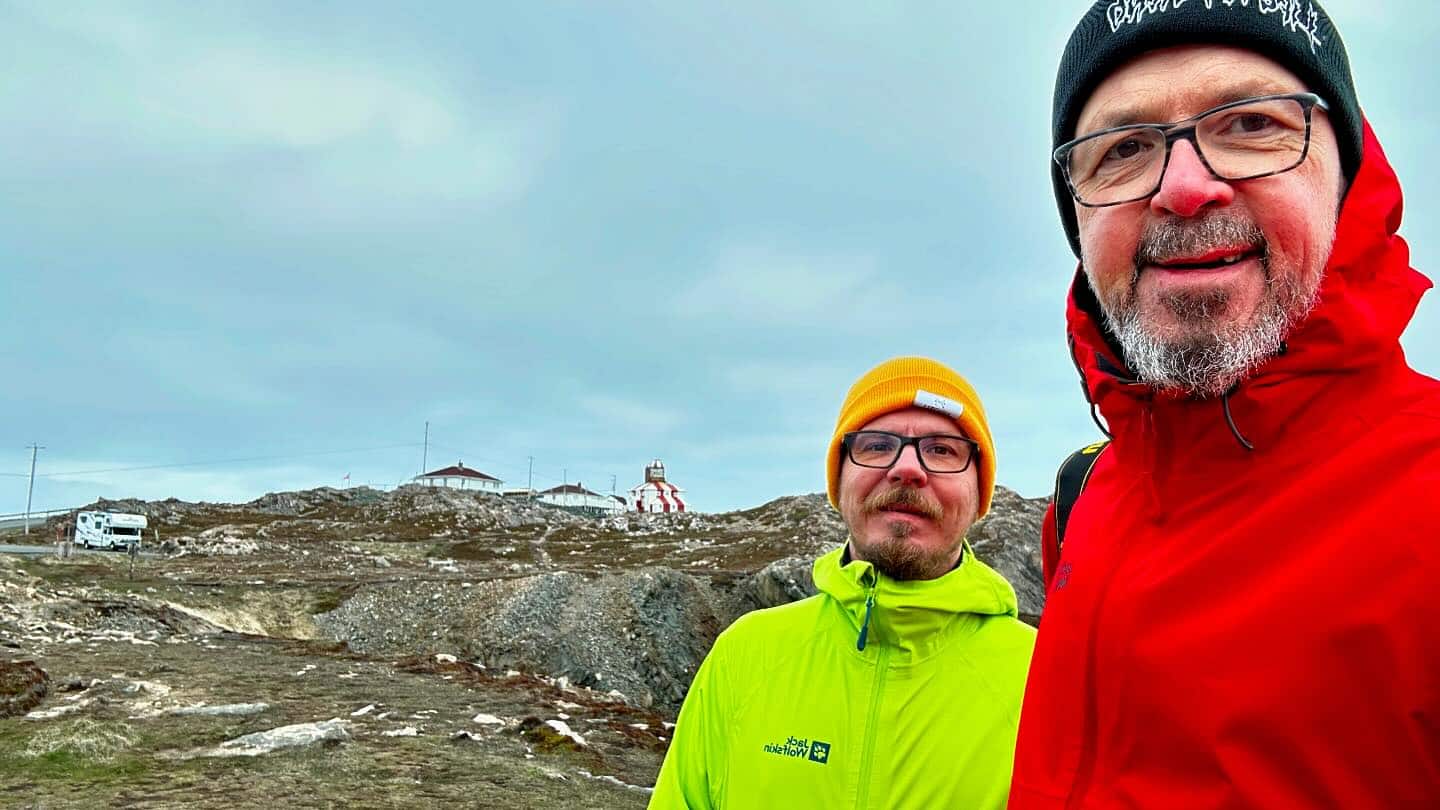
(1245, 611)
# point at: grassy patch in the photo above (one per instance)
(82, 739)
(75, 571)
(82, 750)
(325, 600)
(69, 766)
(40, 533)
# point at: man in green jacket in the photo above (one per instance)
(899, 684)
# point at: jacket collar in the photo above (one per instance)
(917, 617)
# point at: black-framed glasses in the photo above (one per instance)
(1242, 140)
(938, 452)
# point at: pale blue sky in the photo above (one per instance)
(591, 233)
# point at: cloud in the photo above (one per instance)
(245, 95)
(217, 486)
(760, 284)
(628, 415)
(63, 481)
(644, 231)
(294, 129)
(801, 380)
(770, 448)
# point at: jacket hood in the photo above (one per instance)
(1368, 294)
(918, 616)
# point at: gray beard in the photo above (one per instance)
(1206, 364)
(1211, 359)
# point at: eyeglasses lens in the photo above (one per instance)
(937, 453)
(1267, 136)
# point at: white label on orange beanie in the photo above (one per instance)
(935, 402)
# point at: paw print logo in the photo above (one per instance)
(1063, 576)
(820, 752)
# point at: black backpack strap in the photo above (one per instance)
(1070, 482)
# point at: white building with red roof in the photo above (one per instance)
(460, 477)
(579, 499)
(656, 494)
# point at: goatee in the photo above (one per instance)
(894, 555)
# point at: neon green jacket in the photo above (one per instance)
(809, 705)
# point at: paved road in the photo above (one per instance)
(32, 551)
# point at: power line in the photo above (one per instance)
(490, 463)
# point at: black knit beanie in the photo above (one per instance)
(1294, 33)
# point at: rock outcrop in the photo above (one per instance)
(641, 634)
(1008, 539)
(627, 603)
(23, 685)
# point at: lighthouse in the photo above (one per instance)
(655, 494)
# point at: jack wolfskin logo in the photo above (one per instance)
(1062, 577)
(799, 747)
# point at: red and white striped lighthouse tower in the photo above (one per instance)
(656, 494)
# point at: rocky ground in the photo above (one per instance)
(367, 649)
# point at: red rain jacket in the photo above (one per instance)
(1233, 628)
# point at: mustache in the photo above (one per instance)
(1172, 237)
(902, 496)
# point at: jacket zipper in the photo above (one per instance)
(865, 625)
(862, 793)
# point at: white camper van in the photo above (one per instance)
(108, 529)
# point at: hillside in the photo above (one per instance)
(476, 629)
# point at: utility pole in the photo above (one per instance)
(612, 484)
(34, 449)
(530, 477)
(425, 459)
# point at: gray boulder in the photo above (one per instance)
(779, 583)
(1008, 540)
(299, 735)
